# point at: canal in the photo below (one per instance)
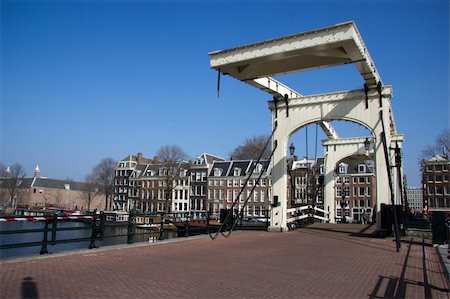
(113, 235)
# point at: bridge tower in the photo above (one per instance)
(255, 64)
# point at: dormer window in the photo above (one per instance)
(217, 172)
(321, 171)
(343, 168)
(258, 168)
(67, 186)
(162, 171)
(361, 168)
(237, 171)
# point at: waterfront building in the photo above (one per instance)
(226, 179)
(305, 183)
(155, 188)
(354, 189)
(414, 196)
(40, 192)
(436, 184)
(199, 172)
(125, 190)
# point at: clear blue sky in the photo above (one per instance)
(86, 80)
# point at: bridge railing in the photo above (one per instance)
(134, 226)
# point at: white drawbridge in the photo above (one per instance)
(370, 106)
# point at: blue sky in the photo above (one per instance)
(86, 80)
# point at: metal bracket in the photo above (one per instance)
(286, 101)
(366, 90)
(379, 88)
(275, 100)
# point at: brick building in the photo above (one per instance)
(436, 184)
(227, 178)
(41, 192)
(354, 188)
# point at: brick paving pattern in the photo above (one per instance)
(322, 261)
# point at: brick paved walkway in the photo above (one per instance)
(310, 262)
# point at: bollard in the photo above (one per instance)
(186, 227)
(96, 230)
(54, 228)
(207, 222)
(44, 240)
(130, 227)
(161, 229)
(102, 225)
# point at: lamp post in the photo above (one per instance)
(367, 145)
(290, 165)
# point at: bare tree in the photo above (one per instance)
(173, 168)
(103, 174)
(251, 149)
(2, 170)
(441, 146)
(13, 182)
(89, 190)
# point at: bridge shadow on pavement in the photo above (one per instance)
(355, 230)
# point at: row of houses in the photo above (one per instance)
(211, 183)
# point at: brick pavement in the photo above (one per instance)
(313, 262)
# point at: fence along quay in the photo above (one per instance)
(110, 228)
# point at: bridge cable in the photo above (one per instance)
(241, 212)
(389, 170)
(229, 214)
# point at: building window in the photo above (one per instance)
(343, 168)
(236, 171)
(217, 172)
(338, 191)
(362, 191)
(361, 168)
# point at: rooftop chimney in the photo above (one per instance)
(139, 158)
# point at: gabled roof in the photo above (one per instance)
(223, 165)
(245, 166)
(354, 161)
(46, 183)
(134, 159)
(58, 184)
(437, 158)
(23, 182)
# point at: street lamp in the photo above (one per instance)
(292, 149)
(290, 165)
(367, 145)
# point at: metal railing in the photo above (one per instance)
(133, 226)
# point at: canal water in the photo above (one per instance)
(113, 235)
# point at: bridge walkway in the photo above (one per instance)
(250, 264)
